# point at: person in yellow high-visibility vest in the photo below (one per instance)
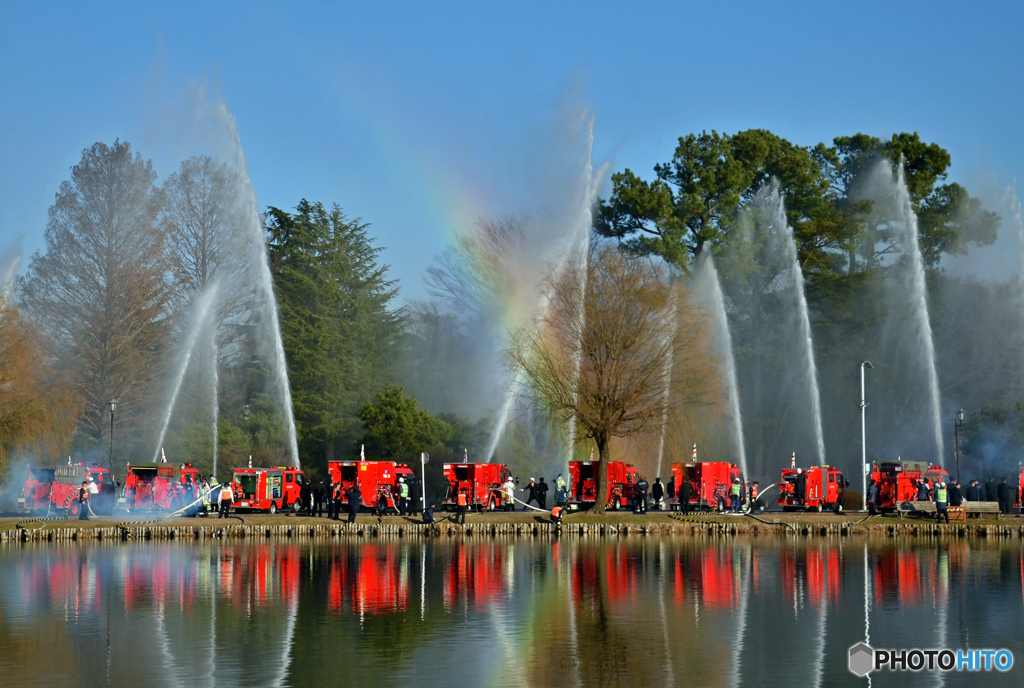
(403, 496)
(941, 503)
(735, 493)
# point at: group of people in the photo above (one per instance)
(946, 495)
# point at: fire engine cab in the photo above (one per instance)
(481, 481)
(710, 482)
(267, 489)
(161, 485)
(622, 480)
(823, 489)
(57, 487)
(377, 480)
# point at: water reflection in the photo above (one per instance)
(498, 612)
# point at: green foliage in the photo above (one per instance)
(397, 428)
(340, 329)
(695, 198)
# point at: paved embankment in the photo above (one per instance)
(258, 526)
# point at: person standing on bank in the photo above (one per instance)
(641, 495)
(225, 500)
(83, 501)
(354, 497)
(658, 493)
(872, 498)
(1003, 496)
(736, 495)
(462, 501)
(685, 492)
(801, 486)
(955, 498)
(542, 493)
(941, 503)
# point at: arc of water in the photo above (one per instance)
(215, 383)
(669, 362)
(257, 250)
(201, 311)
(796, 277)
(717, 302)
(921, 322)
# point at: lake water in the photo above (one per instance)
(517, 612)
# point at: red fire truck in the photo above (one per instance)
(376, 479)
(710, 482)
(57, 488)
(161, 485)
(482, 481)
(267, 489)
(823, 489)
(622, 480)
(897, 480)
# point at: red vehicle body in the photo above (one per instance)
(267, 489)
(376, 479)
(57, 487)
(823, 489)
(710, 482)
(897, 480)
(622, 480)
(482, 481)
(1020, 488)
(161, 485)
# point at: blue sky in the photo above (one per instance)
(413, 116)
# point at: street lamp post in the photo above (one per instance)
(863, 438)
(958, 430)
(113, 407)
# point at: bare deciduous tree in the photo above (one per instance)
(608, 347)
(99, 290)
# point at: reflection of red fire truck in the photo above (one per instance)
(267, 489)
(622, 480)
(897, 480)
(58, 487)
(373, 579)
(482, 482)
(376, 479)
(823, 489)
(1020, 488)
(898, 577)
(710, 482)
(161, 485)
(474, 574)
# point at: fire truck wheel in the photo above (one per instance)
(816, 508)
(296, 507)
(273, 508)
(837, 508)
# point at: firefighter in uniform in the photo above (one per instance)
(941, 503)
(560, 496)
(403, 496)
(83, 501)
(752, 496)
(735, 495)
(510, 495)
(225, 500)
